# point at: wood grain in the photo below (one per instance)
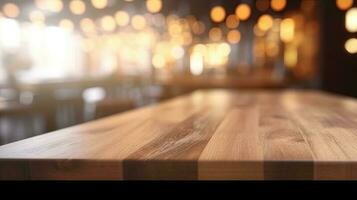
(206, 135)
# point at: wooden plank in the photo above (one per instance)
(235, 150)
(207, 135)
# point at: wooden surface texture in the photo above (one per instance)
(206, 135)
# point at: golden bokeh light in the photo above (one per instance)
(215, 34)
(138, 22)
(87, 26)
(37, 17)
(291, 56)
(108, 23)
(344, 4)
(66, 24)
(233, 36)
(154, 6)
(55, 5)
(11, 10)
(351, 20)
(232, 22)
(122, 18)
(243, 11)
(278, 5)
(265, 22)
(99, 4)
(351, 45)
(287, 30)
(158, 61)
(198, 28)
(218, 14)
(77, 7)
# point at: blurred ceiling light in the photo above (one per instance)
(215, 34)
(11, 10)
(265, 22)
(196, 63)
(200, 48)
(351, 46)
(218, 14)
(55, 5)
(344, 4)
(37, 17)
(158, 61)
(10, 33)
(278, 5)
(129, 0)
(258, 32)
(262, 5)
(351, 20)
(198, 27)
(42, 4)
(138, 22)
(232, 22)
(233, 36)
(99, 4)
(177, 52)
(291, 56)
(224, 48)
(77, 7)
(108, 23)
(154, 6)
(87, 25)
(66, 24)
(287, 30)
(122, 18)
(243, 11)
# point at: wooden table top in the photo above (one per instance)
(207, 135)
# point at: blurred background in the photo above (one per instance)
(66, 62)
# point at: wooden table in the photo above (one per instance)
(207, 135)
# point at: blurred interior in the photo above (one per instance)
(66, 62)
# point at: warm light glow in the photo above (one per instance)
(10, 33)
(351, 20)
(11, 10)
(77, 7)
(122, 18)
(42, 4)
(344, 4)
(138, 22)
(66, 24)
(232, 22)
(108, 23)
(158, 61)
(154, 6)
(243, 11)
(37, 17)
(87, 25)
(196, 63)
(55, 5)
(218, 14)
(233, 36)
(278, 5)
(265, 22)
(99, 4)
(177, 52)
(215, 34)
(351, 46)
(291, 56)
(198, 28)
(287, 30)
